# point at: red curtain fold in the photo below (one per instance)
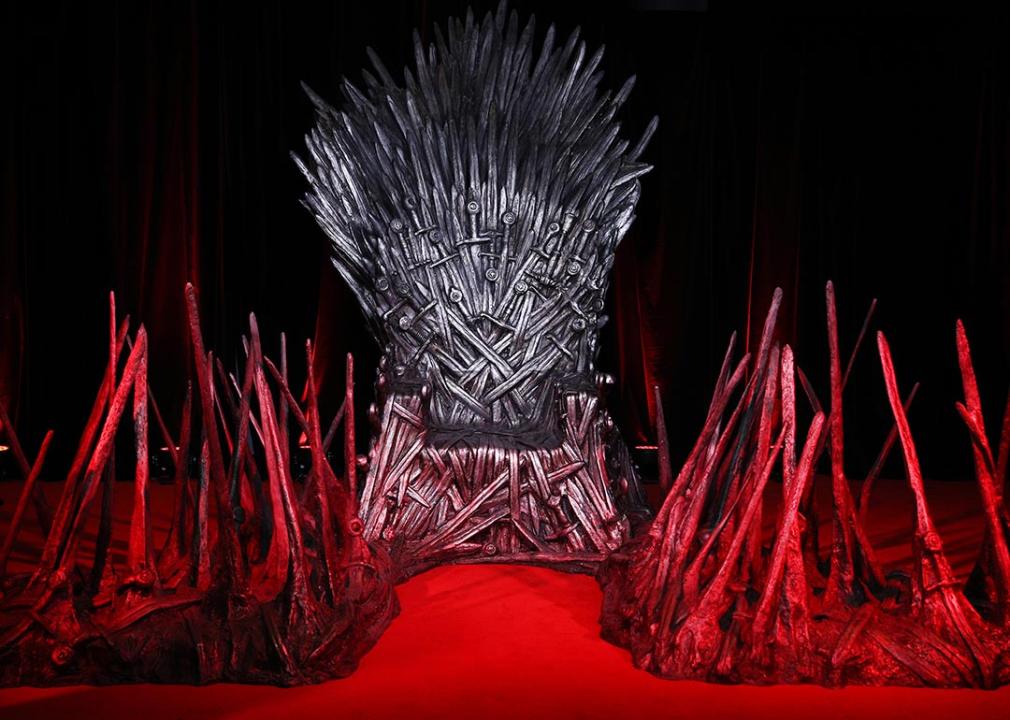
(148, 146)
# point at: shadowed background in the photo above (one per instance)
(147, 145)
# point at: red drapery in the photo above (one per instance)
(147, 146)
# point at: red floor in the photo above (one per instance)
(504, 641)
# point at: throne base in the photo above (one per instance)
(565, 497)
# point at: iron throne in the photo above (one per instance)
(474, 212)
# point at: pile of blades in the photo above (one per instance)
(261, 578)
(704, 594)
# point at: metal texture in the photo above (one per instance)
(474, 211)
(706, 595)
(256, 581)
(471, 497)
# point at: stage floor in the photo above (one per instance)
(506, 641)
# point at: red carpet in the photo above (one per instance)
(504, 641)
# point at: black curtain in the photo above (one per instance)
(145, 145)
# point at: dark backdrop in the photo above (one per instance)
(147, 144)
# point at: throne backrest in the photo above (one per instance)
(475, 212)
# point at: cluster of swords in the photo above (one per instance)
(265, 579)
(705, 595)
(473, 497)
(475, 212)
(259, 579)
